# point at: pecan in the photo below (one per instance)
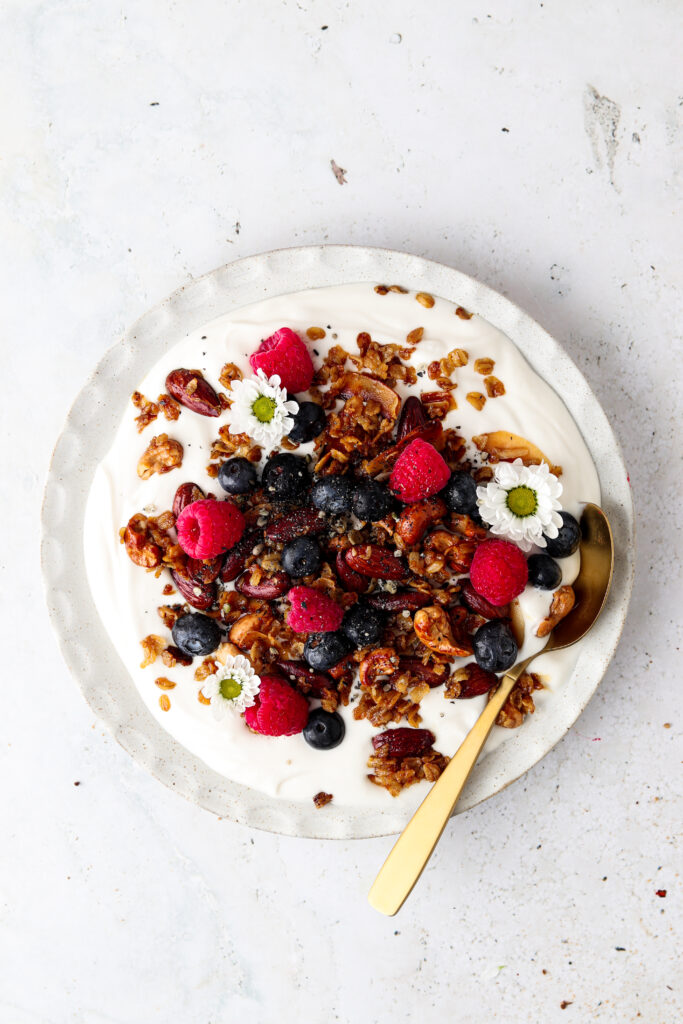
(186, 495)
(402, 600)
(431, 675)
(412, 417)
(235, 558)
(403, 742)
(480, 606)
(561, 605)
(300, 672)
(470, 681)
(457, 551)
(433, 629)
(415, 520)
(267, 588)
(161, 456)
(140, 547)
(502, 446)
(375, 561)
(190, 389)
(352, 581)
(199, 595)
(295, 524)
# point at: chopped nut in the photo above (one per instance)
(320, 799)
(161, 456)
(152, 646)
(148, 410)
(494, 387)
(561, 605)
(228, 374)
(476, 399)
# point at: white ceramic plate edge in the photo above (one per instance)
(87, 436)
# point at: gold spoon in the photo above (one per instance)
(415, 845)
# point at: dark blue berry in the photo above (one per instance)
(285, 478)
(196, 634)
(301, 557)
(332, 494)
(567, 540)
(237, 476)
(371, 501)
(324, 729)
(460, 493)
(544, 573)
(323, 651)
(495, 648)
(308, 422)
(363, 625)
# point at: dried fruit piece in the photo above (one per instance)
(199, 595)
(161, 456)
(403, 742)
(190, 389)
(433, 629)
(561, 605)
(185, 495)
(502, 446)
(376, 562)
(295, 524)
(413, 416)
(267, 588)
(414, 521)
(402, 600)
(351, 580)
(470, 681)
(480, 606)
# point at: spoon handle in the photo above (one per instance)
(415, 845)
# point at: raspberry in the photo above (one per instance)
(312, 611)
(419, 472)
(279, 709)
(284, 353)
(207, 528)
(499, 571)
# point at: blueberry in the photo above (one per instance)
(301, 557)
(308, 422)
(332, 494)
(544, 573)
(196, 634)
(567, 540)
(324, 730)
(363, 625)
(285, 477)
(371, 501)
(495, 648)
(325, 650)
(460, 493)
(237, 476)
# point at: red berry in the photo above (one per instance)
(312, 611)
(207, 528)
(419, 472)
(279, 709)
(499, 571)
(285, 354)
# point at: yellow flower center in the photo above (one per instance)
(522, 502)
(263, 409)
(230, 688)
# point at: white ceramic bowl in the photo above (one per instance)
(87, 436)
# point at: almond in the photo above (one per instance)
(376, 562)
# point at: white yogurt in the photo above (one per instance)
(127, 598)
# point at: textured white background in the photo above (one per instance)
(532, 145)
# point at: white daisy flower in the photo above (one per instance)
(260, 408)
(520, 503)
(233, 687)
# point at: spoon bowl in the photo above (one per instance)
(414, 847)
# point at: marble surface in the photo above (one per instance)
(533, 145)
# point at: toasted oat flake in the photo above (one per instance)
(415, 336)
(425, 299)
(165, 702)
(476, 399)
(315, 333)
(462, 313)
(484, 366)
(494, 387)
(152, 646)
(164, 684)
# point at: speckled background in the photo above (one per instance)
(530, 145)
